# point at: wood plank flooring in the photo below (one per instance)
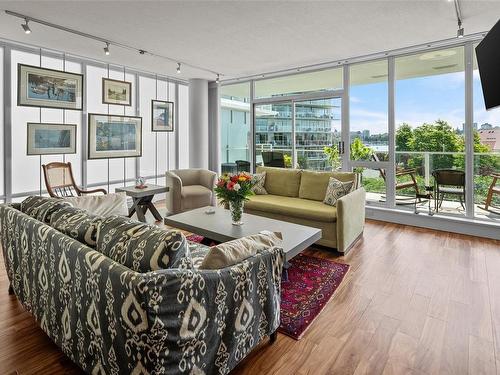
(415, 301)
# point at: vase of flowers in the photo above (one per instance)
(234, 190)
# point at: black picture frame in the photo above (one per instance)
(25, 102)
(29, 147)
(106, 100)
(171, 109)
(91, 134)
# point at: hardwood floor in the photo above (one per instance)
(415, 301)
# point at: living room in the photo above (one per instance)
(250, 187)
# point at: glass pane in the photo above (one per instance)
(299, 83)
(273, 135)
(368, 100)
(317, 133)
(430, 114)
(486, 153)
(235, 127)
(373, 180)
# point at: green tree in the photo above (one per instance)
(404, 137)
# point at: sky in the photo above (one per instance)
(418, 100)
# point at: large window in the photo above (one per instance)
(235, 127)
(317, 128)
(430, 116)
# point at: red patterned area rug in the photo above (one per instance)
(311, 283)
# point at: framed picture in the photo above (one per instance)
(49, 139)
(116, 92)
(114, 136)
(41, 87)
(162, 116)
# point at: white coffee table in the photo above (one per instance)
(218, 227)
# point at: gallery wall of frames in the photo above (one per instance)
(111, 122)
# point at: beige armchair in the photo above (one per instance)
(190, 189)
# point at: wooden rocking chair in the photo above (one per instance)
(60, 182)
(400, 173)
(494, 189)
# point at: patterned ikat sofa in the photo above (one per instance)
(110, 319)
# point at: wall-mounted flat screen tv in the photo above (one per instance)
(488, 61)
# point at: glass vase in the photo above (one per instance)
(236, 209)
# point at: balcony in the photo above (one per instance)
(422, 163)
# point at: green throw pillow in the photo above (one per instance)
(142, 247)
(42, 208)
(76, 223)
(336, 189)
(260, 180)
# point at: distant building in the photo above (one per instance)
(490, 137)
(366, 134)
(486, 126)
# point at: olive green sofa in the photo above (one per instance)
(296, 196)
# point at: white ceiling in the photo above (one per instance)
(239, 38)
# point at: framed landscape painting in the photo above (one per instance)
(114, 136)
(50, 139)
(41, 87)
(162, 116)
(116, 92)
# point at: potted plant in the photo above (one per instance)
(234, 190)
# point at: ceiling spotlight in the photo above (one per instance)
(217, 79)
(460, 31)
(178, 68)
(106, 49)
(26, 27)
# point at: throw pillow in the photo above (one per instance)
(41, 208)
(229, 253)
(260, 180)
(336, 189)
(103, 205)
(76, 223)
(142, 247)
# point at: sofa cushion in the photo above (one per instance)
(336, 189)
(232, 252)
(103, 205)
(195, 196)
(76, 223)
(281, 181)
(294, 207)
(41, 208)
(140, 246)
(313, 184)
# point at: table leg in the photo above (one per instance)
(133, 209)
(154, 211)
(286, 266)
(140, 213)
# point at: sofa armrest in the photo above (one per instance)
(174, 185)
(350, 218)
(220, 315)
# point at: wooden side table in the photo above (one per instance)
(143, 200)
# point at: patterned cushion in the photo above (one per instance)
(232, 252)
(336, 189)
(260, 180)
(142, 247)
(42, 208)
(76, 223)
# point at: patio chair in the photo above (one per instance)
(401, 173)
(494, 189)
(273, 159)
(242, 166)
(60, 182)
(448, 182)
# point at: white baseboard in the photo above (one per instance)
(443, 223)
